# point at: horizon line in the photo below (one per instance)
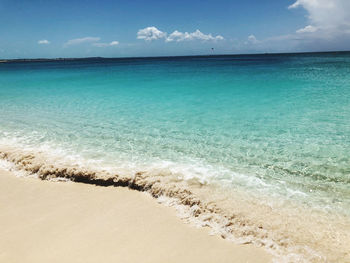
(42, 59)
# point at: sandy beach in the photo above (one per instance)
(43, 221)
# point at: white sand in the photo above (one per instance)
(42, 221)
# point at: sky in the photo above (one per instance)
(113, 28)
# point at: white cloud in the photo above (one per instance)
(176, 35)
(78, 41)
(327, 29)
(295, 5)
(153, 33)
(326, 16)
(43, 42)
(100, 44)
(307, 29)
(252, 39)
(196, 35)
(150, 33)
(113, 43)
(328, 26)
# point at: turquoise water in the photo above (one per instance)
(272, 125)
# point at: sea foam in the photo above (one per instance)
(292, 234)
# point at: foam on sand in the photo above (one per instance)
(71, 222)
(292, 234)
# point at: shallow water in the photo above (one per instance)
(273, 128)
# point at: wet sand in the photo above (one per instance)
(43, 221)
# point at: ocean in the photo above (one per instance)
(255, 146)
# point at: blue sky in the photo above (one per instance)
(112, 28)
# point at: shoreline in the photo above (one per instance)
(43, 221)
(286, 233)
